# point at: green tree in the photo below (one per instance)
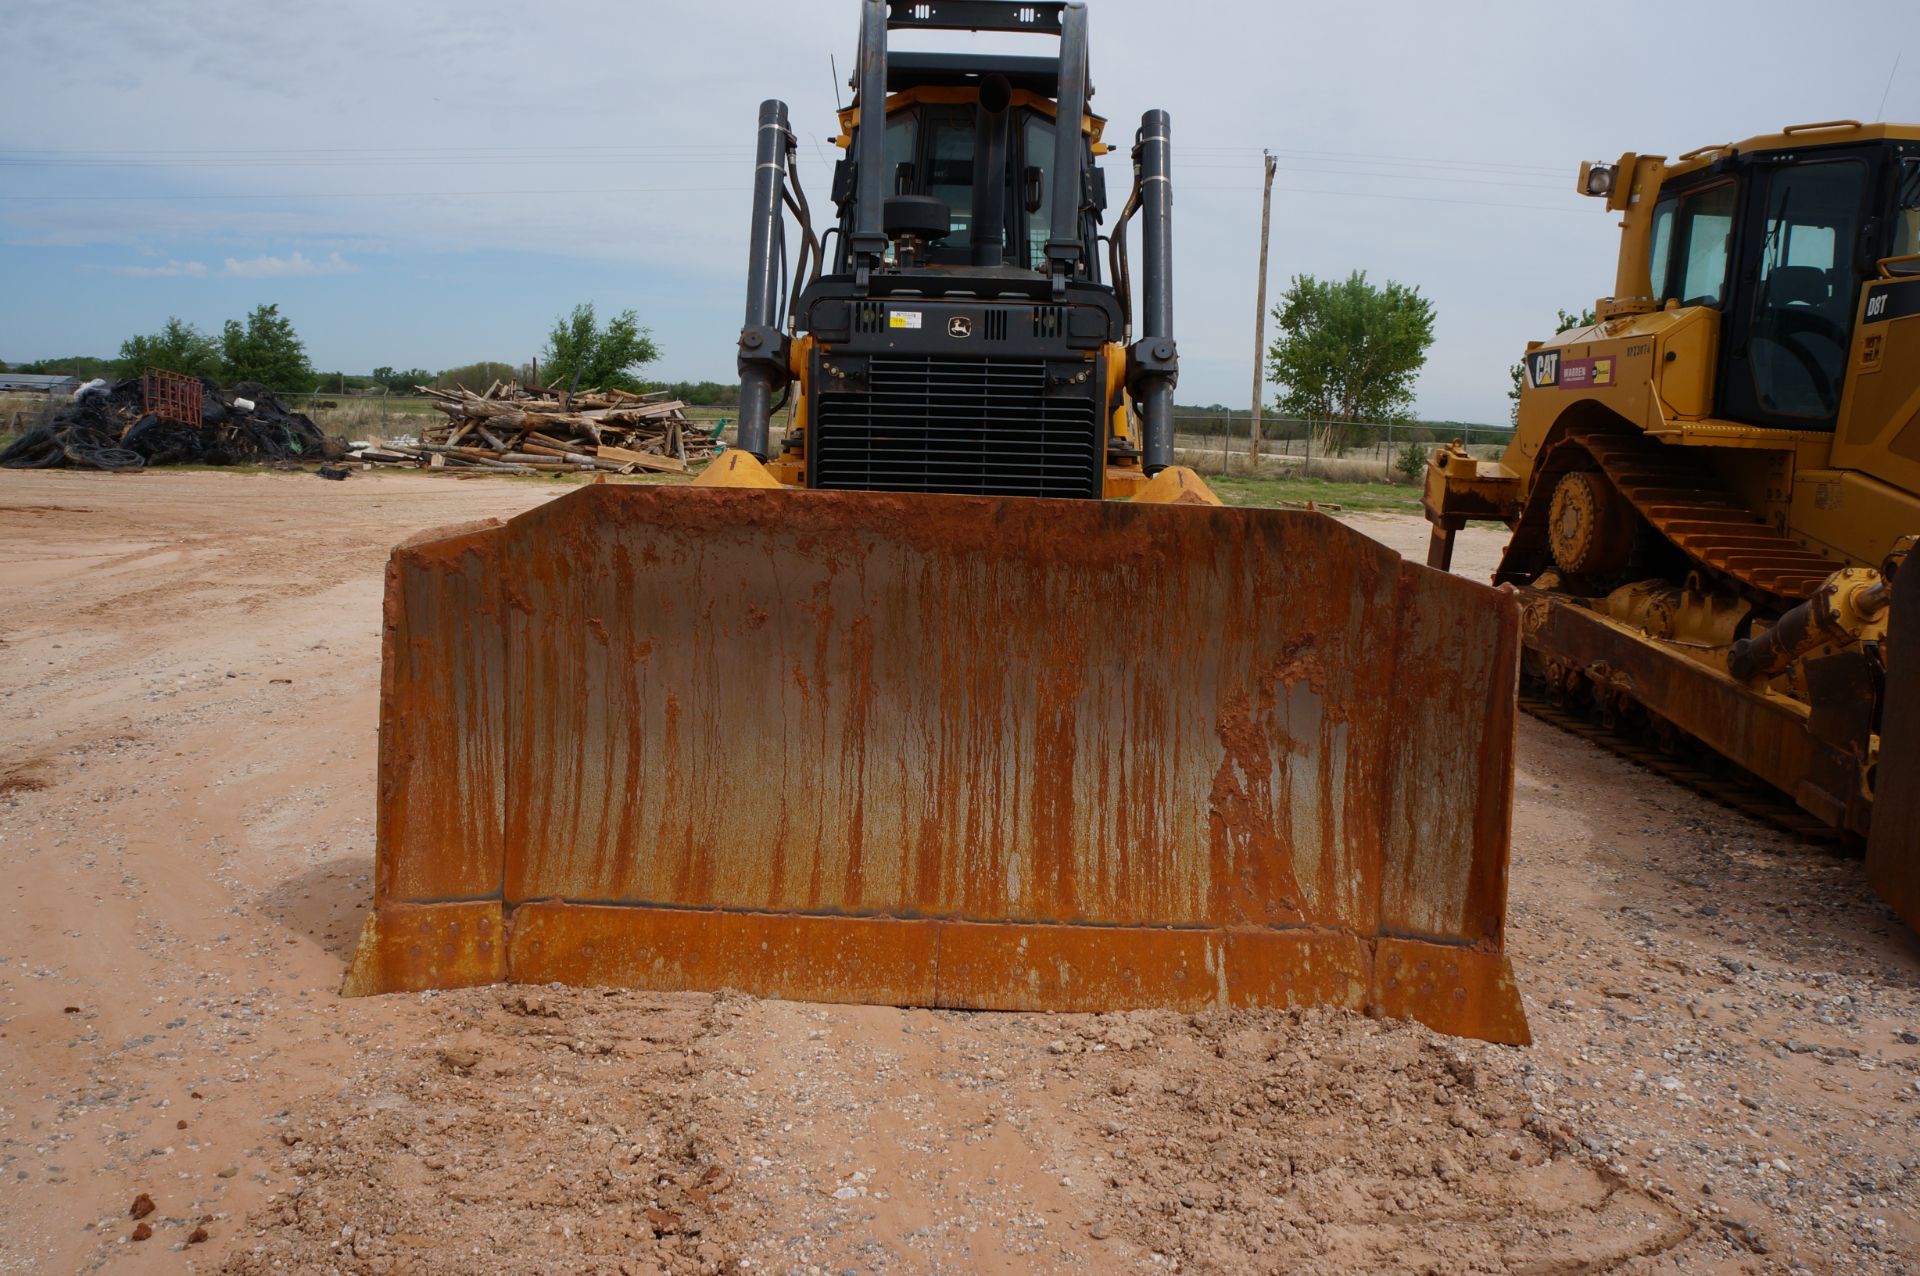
(85, 367)
(1349, 353)
(580, 353)
(474, 376)
(700, 394)
(177, 347)
(265, 349)
(401, 380)
(1518, 372)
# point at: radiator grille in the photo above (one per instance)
(981, 426)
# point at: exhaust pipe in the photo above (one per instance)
(867, 245)
(763, 347)
(1154, 360)
(990, 172)
(1063, 243)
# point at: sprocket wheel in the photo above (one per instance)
(1589, 527)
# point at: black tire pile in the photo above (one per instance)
(109, 430)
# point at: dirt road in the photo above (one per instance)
(1726, 1076)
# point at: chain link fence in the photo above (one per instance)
(1348, 452)
(24, 413)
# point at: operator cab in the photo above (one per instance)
(1781, 243)
(967, 132)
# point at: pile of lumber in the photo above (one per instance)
(514, 429)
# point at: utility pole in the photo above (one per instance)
(1260, 316)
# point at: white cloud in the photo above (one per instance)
(651, 203)
(295, 265)
(172, 270)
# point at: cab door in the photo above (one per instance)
(1800, 263)
(1879, 430)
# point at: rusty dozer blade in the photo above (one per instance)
(945, 751)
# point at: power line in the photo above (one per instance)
(368, 150)
(719, 152)
(822, 159)
(1418, 199)
(295, 197)
(1371, 158)
(706, 190)
(1400, 177)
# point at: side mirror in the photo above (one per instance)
(1032, 188)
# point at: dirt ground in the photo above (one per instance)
(1726, 1076)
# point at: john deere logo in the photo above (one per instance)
(959, 326)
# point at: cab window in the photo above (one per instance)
(903, 130)
(1661, 256)
(1906, 216)
(1702, 230)
(1804, 288)
(1037, 143)
(950, 168)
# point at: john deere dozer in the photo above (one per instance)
(903, 711)
(1714, 489)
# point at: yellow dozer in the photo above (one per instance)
(965, 695)
(1713, 489)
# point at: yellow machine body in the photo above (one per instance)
(1713, 487)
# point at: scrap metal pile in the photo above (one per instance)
(512, 429)
(144, 421)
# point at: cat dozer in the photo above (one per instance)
(966, 694)
(1715, 488)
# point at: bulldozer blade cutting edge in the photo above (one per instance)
(945, 751)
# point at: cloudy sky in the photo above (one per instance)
(433, 183)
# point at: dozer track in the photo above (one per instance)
(1750, 797)
(1680, 496)
(1684, 500)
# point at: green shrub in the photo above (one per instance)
(1411, 461)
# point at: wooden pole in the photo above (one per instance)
(1260, 316)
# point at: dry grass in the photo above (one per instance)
(1340, 469)
(359, 418)
(1372, 463)
(22, 412)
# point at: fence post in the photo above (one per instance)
(1306, 466)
